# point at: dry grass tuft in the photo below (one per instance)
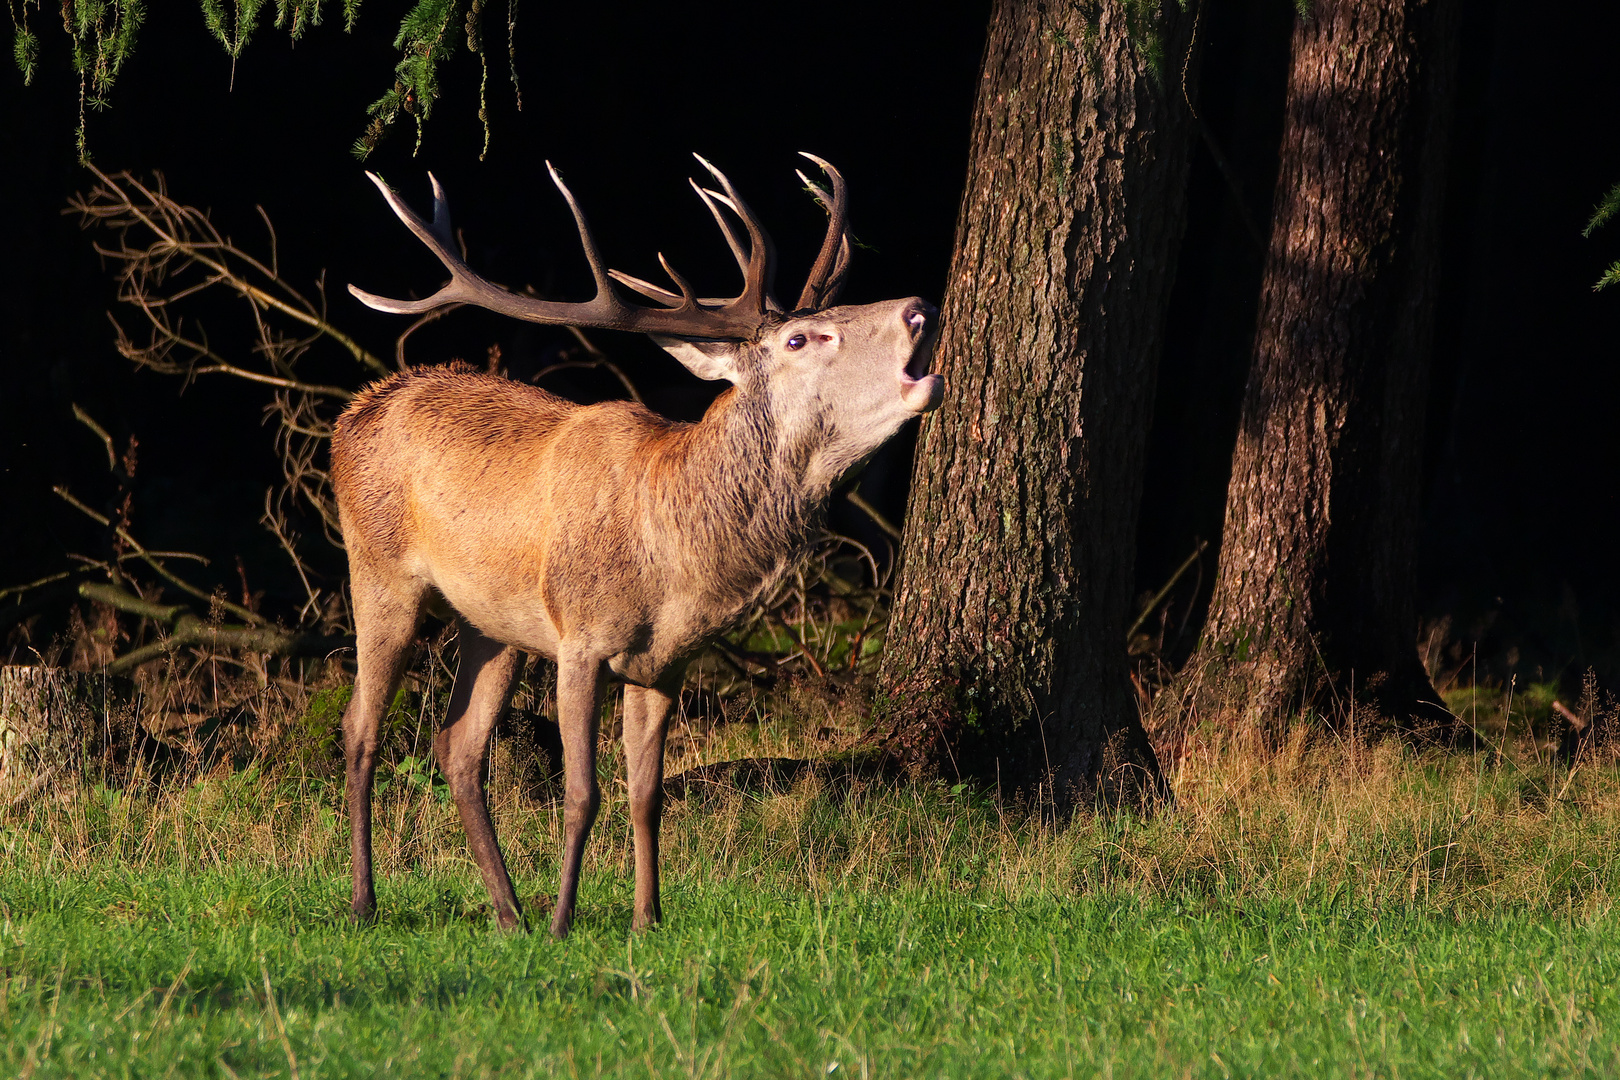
(1313, 819)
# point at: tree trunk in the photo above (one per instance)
(1005, 656)
(55, 725)
(1313, 603)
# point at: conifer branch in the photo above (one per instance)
(1606, 208)
(103, 34)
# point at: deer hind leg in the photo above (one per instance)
(579, 706)
(484, 678)
(385, 621)
(646, 721)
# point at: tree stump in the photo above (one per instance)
(57, 726)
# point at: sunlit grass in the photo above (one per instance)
(1323, 908)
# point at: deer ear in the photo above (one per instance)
(705, 359)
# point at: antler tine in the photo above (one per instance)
(688, 300)
(761, 270)
(437, 242)
(835, 281)
(664, 296)
(441, 213)
(713, 200)
(647, 288)
(586, 240)
(841, 265)
(732, 240)
(823, 199)
(821, 288)
(711, 197)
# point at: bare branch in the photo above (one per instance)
(187, 233)
(854, 496)
(84, 418)
(150, 560)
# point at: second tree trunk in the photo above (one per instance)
(1314, 598)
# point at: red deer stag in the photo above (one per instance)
(605, 537)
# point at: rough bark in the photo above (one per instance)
(1313, 602)
(55, 725)
(1005, 655)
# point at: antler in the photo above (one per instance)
(758, 261)
(683, 316)
(832, 264)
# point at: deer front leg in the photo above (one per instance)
(579, 706)
(646, 721)
(484, 678)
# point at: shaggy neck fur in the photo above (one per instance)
(743, 492)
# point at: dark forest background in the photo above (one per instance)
(1520, 508)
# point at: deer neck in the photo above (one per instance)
(748, 494)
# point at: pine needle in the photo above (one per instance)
(1606, 209)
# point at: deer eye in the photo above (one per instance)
(796, 342)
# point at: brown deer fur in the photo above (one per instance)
(605, 537)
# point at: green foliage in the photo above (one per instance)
(104, 32)
(309, 744)
(24, 42)
(427, 38)
(235, 28)
(1317, 907)
(296, 16)
(1606, 209)
(424, 38)
(416, 773)
(1512, 712)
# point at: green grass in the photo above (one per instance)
(241, 971)
(1324, 909)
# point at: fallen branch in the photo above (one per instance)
(134, 605)
(1576, 720)
(191, 630)
(185, 629)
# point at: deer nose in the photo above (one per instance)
(918, 314)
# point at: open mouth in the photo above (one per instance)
(921, 391)
(921, 357)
